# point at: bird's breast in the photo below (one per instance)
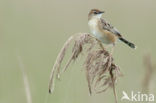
(93, 26)
(98, 32)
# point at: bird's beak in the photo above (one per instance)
(101, 12)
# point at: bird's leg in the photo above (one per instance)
(112, 50)
(100, 44)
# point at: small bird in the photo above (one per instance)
(103, 31)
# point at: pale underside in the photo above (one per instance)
(101, 34)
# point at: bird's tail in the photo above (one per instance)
(128, 43)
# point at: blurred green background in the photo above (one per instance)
(37, 29)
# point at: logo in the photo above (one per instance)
(138, 96)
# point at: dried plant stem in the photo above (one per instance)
(58, 63)
(113, 85)
(25, 79)
(102, 47)
(68, 62)
(149, 69)
(101, 72)
(80, 39)
(89, 84)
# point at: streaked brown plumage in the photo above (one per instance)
(103, 30)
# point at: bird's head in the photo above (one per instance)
(95, 13)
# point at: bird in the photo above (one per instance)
(103, 31)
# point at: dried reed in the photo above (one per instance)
(101, 72)
(149, 70)
(25, 79)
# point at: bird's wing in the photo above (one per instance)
(107, 26)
